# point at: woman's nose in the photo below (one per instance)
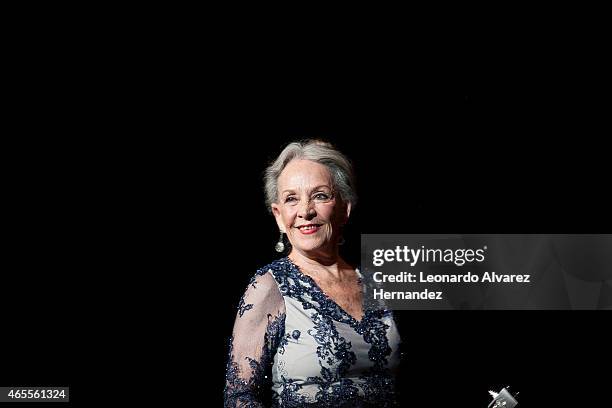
(306, 211)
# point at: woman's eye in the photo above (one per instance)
(322, 196)
(290, 199)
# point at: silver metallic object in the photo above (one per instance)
(503, 399)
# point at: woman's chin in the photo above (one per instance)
(308, 248)
(311, 246)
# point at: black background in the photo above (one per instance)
(136, 210)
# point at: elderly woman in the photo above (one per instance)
(302, 336)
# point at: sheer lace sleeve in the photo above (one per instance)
(258, 328)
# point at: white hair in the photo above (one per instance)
(317, 151)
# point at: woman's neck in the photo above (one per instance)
(321, 265)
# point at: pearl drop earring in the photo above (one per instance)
(280, 246)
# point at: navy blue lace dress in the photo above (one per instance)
(293, 346)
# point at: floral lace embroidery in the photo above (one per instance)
(334, 352)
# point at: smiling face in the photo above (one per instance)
(308, 210)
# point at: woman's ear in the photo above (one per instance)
(277, 215)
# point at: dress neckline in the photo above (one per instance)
(315, 287)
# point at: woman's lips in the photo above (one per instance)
(309, 229)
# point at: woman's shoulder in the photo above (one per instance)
(268, 277)
(262, 292)
(278, 269)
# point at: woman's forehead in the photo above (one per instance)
(299, 174)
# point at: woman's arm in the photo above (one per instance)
(258, 328)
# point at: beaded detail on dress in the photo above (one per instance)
(293, 346)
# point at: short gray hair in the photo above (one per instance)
(317, 151)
